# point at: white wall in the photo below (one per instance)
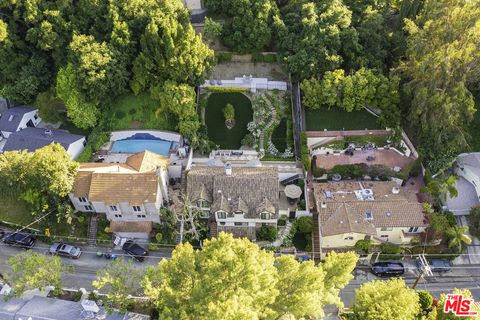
(76, 148)
(192, 4)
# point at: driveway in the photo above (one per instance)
(472, 255)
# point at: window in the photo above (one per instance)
(238, 224)
(35, 116)
(84, 143)
(88, 208)
(141, 216)
(113, 208)
(137, 209)
(369, 215)
(412, 229)
(118, 216)
(348, 238)
(384, 236)
(386, 229)
(221, 215)
(82, 199)
(222, 223)
(202, 203)
(265, 216)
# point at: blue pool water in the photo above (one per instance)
(161, 147)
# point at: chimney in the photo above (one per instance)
(323, 205)
(48, 132)
(395, 190)
(228, 169)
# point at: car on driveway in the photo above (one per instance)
(65, 250)
(388, 268)
(440, 265)
(134, 250)
(18, 239)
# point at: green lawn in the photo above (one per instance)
(337, 119)
(215, 121)
(137, 112)
(279, 135)
(15, 211)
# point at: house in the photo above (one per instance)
(467, 168)
(16, 119)
(43, 308)
(238, 200)
(130, 194)
(193, 4)
(381, 211)
(31, 139)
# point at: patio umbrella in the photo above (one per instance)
(292, 191)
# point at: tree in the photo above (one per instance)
(42, 178)
(247, 26)
(310, 36)
(32, 270)
(187, 217)
(212, 29)
(229, 112)
(450, 316)
(170, 50)
(474, 221)
(373, 301)
(121, 280)
(426, 302)
(442, 186)
(242, 282)
(457, 237)
(440, 64)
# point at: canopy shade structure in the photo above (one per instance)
(293, 191)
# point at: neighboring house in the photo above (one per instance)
(42, 308)
(238, 200)
(467, 168)
(31, 139)
(16, 119)
(381, 211)
(193, 4)
(130, 194)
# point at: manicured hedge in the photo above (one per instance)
(226, 89)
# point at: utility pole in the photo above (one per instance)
(425, 269)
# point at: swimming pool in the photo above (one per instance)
(161, 147)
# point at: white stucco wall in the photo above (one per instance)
(76, 148)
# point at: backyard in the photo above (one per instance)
(337, 119)
(215, 119)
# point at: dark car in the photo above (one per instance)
(134, 250)
(18, 239)
(388, 268)
(65, 250)
(440, 265)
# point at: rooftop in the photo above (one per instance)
(31, 139)
(363, 206)
(10, 119)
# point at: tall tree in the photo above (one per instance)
(457, 237)
(31, 270)
(374, 301)
(121, 280)
(243, 282)
(442, 59)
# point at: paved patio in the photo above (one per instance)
(389, 158)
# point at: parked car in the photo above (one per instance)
(388, 268)
(440, 265)
(65, 250)
(134, 250)
(17, 239)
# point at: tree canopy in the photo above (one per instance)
(243, 282)
(384, 300)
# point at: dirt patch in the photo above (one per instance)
(230, 70)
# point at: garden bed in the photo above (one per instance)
(215, 120)
(279, 135)
(337, 119)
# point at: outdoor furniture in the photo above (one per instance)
(370, 158)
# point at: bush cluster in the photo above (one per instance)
(267, 57)
(267, 233)
(225, 89)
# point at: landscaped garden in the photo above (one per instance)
(339, 119)
(228, 137)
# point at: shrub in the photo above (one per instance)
(212, 29)
(268, 57)
(390, 251)
(248, 140)
(282, 222)
(474, 221)
(363, 245)
(224, 57)
(307, 163)
(120, 115)
(158, 237)
(304, 225)
(229, 112)
(318, 171)
(107, 229)
(267, 233)
(225, 89)
(426, 301)
(353, 171)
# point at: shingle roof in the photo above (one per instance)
(249, 184)
(32, 139)
(135, 182)
(10, 119)
(340, 211)
(113, 188)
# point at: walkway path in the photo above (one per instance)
(270, 123)
(473, 249)
(282, 234)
